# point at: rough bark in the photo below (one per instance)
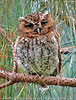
(13, 77)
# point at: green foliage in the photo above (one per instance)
(63, 13)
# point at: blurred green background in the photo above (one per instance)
(63, 13)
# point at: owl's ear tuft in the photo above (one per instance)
(20, 19)
(46, 14)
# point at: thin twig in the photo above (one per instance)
(6, 84)
(4, 34)
(65, 51)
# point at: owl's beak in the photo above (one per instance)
(38, 30)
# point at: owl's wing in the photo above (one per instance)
(59, 54)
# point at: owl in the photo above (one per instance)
(37, 47)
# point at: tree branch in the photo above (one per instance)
(49, 80)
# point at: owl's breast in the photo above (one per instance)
(37, 55)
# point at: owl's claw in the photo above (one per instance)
(43, 88)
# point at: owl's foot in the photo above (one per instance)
(43, 86)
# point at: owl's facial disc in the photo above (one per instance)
(37, 23)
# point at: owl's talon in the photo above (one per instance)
(37, 76)
(42, 76)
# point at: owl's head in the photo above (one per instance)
(37, 23)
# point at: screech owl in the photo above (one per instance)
(37, 45)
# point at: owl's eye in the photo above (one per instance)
(44, 21)
(29, 25)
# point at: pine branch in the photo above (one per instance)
(49, 80)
